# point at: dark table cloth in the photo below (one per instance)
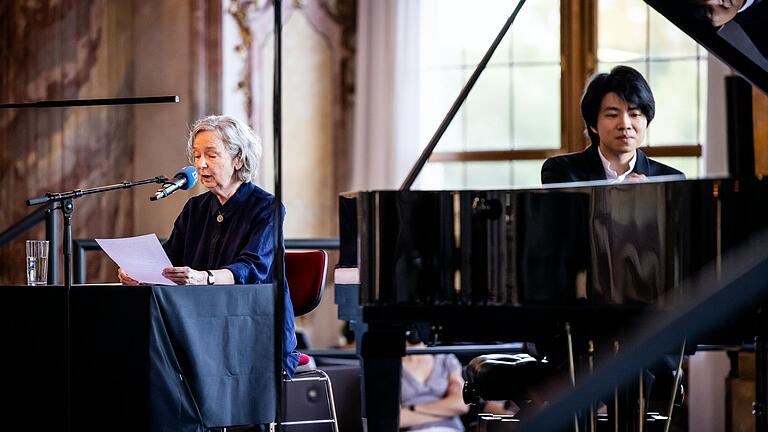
(160, 358)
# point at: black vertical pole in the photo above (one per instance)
(78, 264)
(52, 235)
(740, 142)
(67, 207)
(279, 271)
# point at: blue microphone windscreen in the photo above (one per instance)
(190, 174)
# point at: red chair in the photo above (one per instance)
(306, 273)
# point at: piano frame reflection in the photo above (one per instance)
(741, 42)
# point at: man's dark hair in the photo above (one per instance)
(628, 84)
(412, 336)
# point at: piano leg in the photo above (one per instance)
(761, 383)
(381, 352)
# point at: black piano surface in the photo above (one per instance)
(621, 249)
(599, 244)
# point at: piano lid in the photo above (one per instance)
(735, 31)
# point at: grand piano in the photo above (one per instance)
(607, 259)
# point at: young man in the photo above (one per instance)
(617, 108)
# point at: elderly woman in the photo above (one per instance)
(226, 235)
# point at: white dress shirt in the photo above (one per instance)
(611, 175)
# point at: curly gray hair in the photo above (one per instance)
(237, 137)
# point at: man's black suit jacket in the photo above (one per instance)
(587, 166)
(753, 21)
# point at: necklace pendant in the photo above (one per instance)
(220, 218)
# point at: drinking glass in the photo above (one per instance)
(37, 262)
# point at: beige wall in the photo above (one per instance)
(65, 50)
(308, 163)
(162, 67)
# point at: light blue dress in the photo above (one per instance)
(414, 392)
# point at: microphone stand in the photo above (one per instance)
(64, 201)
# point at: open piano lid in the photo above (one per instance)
(741, 42)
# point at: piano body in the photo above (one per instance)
(516, 265)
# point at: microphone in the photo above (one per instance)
(184, 180)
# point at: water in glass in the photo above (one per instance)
(37, 270)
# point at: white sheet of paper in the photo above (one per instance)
(142, 257)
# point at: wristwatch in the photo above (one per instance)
(211, 277)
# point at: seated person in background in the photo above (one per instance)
(226, 235)
(430, 391)
(617, 108)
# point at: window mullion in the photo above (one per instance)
(578, 48)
